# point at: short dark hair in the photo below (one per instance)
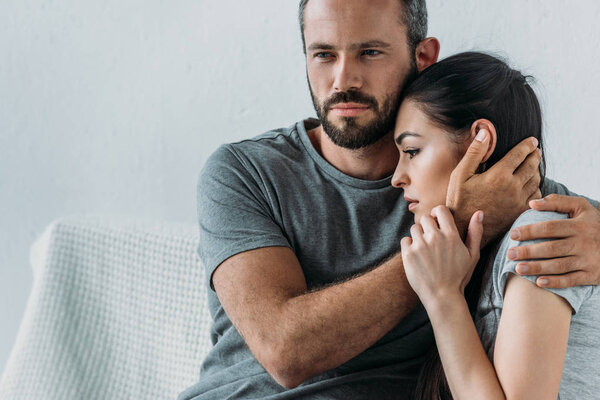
(414, 17)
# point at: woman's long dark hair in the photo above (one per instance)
(454, 93)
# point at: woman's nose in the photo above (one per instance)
(400, 178)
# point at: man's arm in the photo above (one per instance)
(572, 260)
(296, 334)
(293, 333)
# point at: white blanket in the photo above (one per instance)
(117, 311)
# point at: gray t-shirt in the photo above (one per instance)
(276, 190)
(581, 372)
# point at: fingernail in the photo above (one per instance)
(535, 142)
(522, 268)
(481, 135)
(480, 217)
(542, 282)
(515, 234)
(512, 254)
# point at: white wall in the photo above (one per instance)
(113, 106)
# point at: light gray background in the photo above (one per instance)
(113, 106)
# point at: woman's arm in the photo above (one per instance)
(530, 345)
(469, 372)
(532, 337)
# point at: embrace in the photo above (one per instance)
(407, 243)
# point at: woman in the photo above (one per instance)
(542, 343)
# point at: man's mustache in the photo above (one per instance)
(350, 97)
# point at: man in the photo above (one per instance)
(301, 228)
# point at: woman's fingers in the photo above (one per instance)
(416, 232)
(444, 219)
(405, 243)
(429, 225)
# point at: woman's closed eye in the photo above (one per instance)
(411, 153)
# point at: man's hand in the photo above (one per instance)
(573, 259)
(502, 192)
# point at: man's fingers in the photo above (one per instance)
(473, 157)
(560, 228)
(542, 250)
(517, 155)
(535, 196)
(529, 171)
(474, 234)
(572, 279)
(563, 204)
(553, 266)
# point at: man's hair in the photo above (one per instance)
(414, 17)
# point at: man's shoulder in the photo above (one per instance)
(266, 152)
(552, 187)
(274, 142)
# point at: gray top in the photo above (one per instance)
(276, 190)
(580, 378)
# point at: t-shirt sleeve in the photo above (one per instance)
(551, 187)
(575, 296)
(233, 211)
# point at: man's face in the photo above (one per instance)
(358, 61)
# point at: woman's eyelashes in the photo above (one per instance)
(411, 153)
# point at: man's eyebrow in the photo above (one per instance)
(320, 46)
(403, 135)
(370, 44)
(363, 45)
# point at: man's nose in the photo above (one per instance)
(347, 75)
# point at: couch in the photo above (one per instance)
(117, 310)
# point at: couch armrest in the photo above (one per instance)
(117, 310)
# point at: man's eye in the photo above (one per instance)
(323, 54)
(411, 152)
(371, 52)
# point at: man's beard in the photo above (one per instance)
(352, 135)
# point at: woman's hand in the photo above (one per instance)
(436, 261)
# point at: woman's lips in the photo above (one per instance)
(412, 203)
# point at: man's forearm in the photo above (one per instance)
(321, 330)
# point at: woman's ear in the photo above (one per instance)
(488, 126)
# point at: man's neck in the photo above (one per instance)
(371, 163)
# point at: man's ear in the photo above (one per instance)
(427, 53)
(488, 126)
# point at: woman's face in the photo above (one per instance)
(427, 158)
